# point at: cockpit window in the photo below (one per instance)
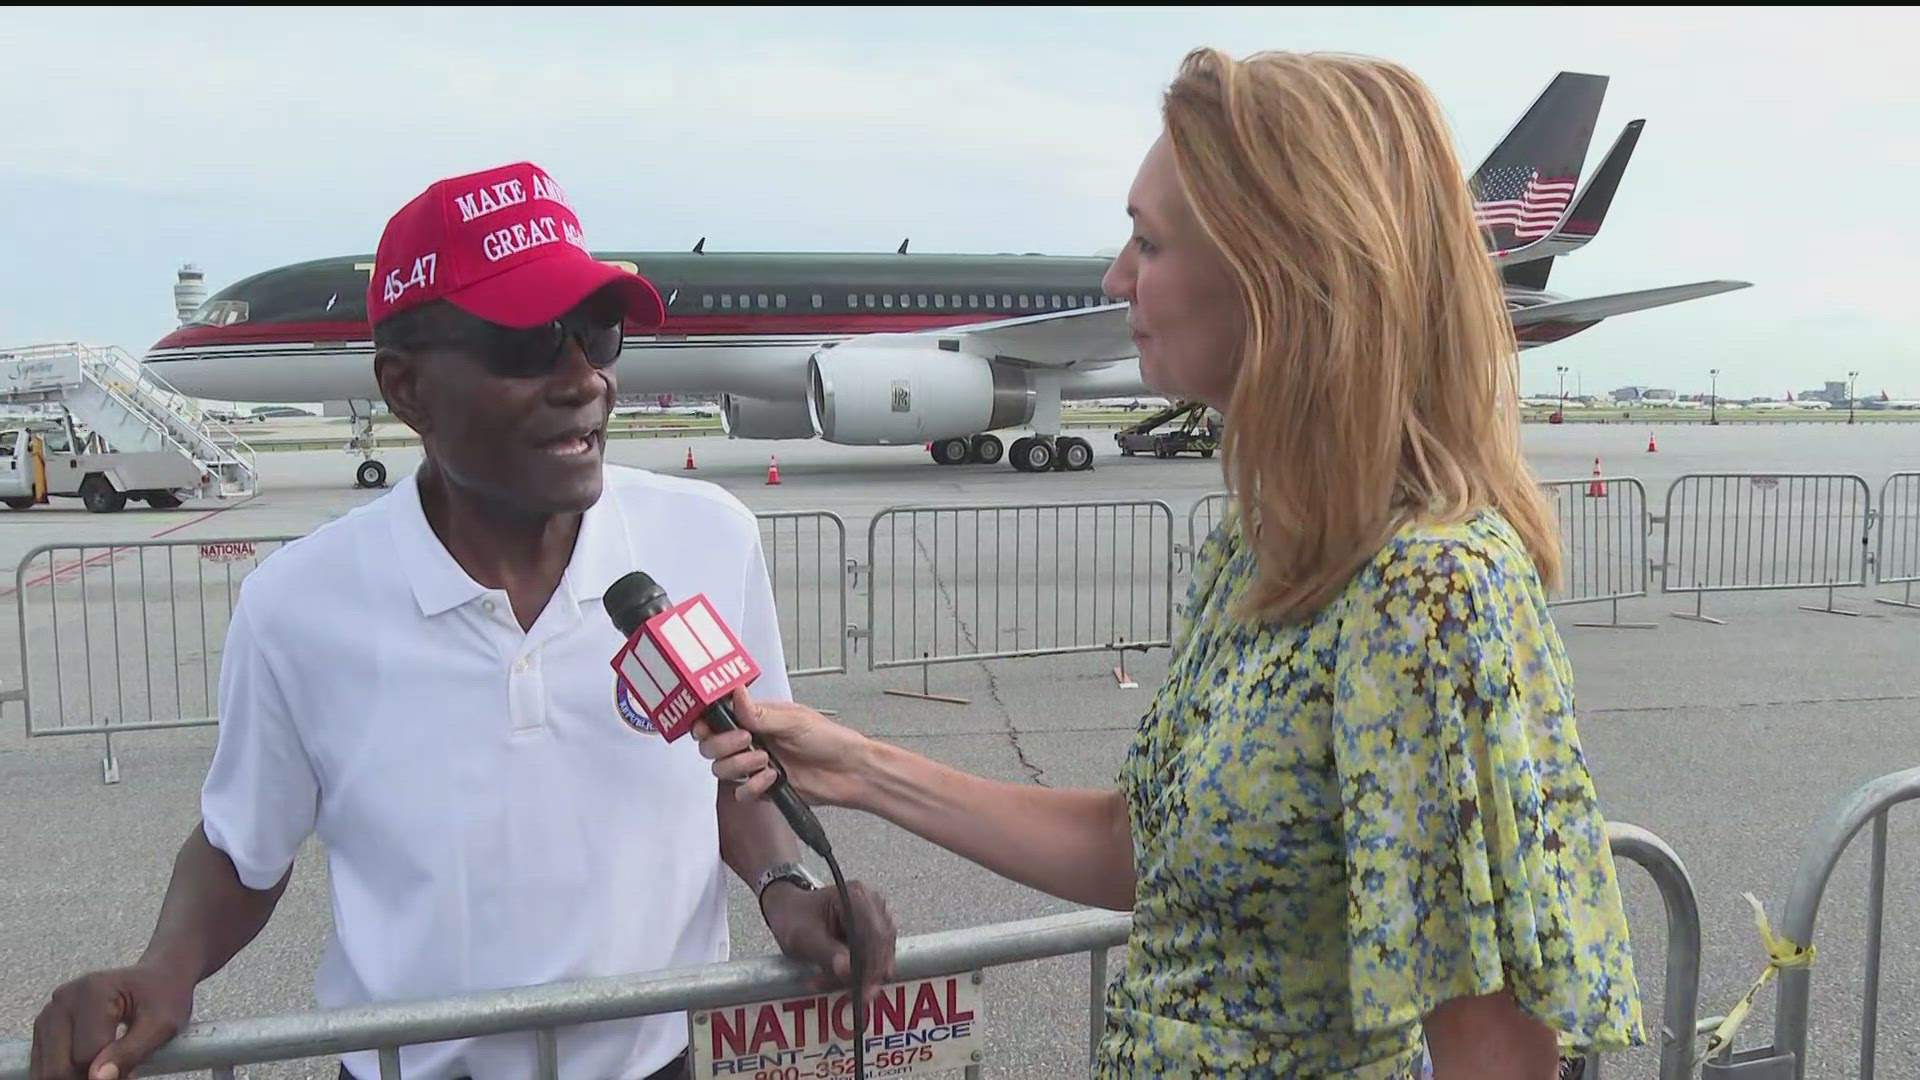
(220, 313)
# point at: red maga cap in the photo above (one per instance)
(502, 244)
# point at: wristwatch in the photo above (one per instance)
(786, 871)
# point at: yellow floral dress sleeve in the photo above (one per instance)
(1476, 855)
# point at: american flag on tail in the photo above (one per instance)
(1519, 197)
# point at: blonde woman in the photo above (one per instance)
(1357, 812)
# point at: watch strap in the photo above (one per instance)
(786, 871)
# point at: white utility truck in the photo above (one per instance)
(142, 439)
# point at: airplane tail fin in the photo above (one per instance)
(1528, 266)
(1524, 185)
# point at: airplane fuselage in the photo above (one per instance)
(736, 323)
(741, 324)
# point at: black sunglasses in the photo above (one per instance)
(533, 352)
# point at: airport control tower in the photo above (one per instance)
(189, 292)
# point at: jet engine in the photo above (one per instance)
(909, 392)
(757, 418)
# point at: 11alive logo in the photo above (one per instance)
(677, 663)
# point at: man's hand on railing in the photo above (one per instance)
(77, 1035)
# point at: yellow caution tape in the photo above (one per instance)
(1781, 954)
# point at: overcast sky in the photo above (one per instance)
(138, 140)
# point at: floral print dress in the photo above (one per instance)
(1341, 822)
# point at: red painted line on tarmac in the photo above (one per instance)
(58, 573)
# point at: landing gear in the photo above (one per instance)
(984, 449)
(370, 473)
(988, 449)
(1040, 453)
(1035, 453)
(952, 451)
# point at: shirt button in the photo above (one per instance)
(487, 604)
(520, 664)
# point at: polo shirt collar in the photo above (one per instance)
(439, 583)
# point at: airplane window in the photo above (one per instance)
(818, 300)
(726, 301)
(746, 301)
(853, 300)
(903, 299)
(921, 300)
(1023, 302)
(887, 300)
(706, 301)
(780, 301)
(1006, 301)
(939, 301)
(870, 302)
(973, 301)
(763, 301)
(1056, 301)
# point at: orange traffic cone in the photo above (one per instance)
(690, 464)
(1596, 488)
(773, 470)
(1650, 447)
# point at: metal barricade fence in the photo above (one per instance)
(126, 637)
(1786, 1057)
(117, 638)
(1897, 552)
(1603, 527)
(806, 553)
(958, 583)
(1201, 521)
(543, 1011)
(1680, 1005)
(1736, 532)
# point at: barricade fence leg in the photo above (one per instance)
(1616, 624)
(1905, 601)
(1831, 610)
(1698, 614)
(1120, 675)
(926, 687)
(1876, 919)
(1096, 1002)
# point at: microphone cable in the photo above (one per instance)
(809, 831)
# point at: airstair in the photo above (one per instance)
(131, 409)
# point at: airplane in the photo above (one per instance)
(1886, 402)
(1790, 403)
(901, 349)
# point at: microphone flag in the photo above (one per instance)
(681, 661)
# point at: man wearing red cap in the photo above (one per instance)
(424, 685)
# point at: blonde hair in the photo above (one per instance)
(1378, 377)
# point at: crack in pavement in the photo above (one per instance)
(1034, 772)
(1869, 700)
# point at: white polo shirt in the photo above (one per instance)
(488, 818)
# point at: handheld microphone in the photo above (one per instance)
(681, 661)
(641, 611)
